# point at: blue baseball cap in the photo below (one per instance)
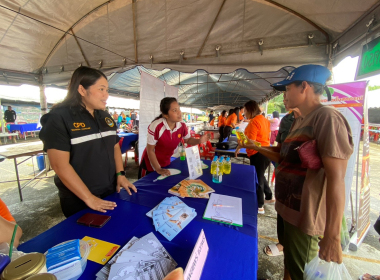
(310, 73)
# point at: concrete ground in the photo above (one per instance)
(40, 210)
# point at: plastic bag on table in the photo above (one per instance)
(4, 249)
(318, 269)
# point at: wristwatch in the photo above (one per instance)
(120, 173)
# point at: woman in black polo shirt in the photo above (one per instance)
(83, 147)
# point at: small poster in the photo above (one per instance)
(194, 162)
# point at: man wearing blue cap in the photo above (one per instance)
(310, 202)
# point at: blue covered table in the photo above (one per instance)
(23, 127)
(233, 251)
(129, 140)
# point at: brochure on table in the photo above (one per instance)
(194, 162)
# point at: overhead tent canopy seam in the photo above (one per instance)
(217, 36)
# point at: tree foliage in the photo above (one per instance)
(276, 104)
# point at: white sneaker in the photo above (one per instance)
(261, 211)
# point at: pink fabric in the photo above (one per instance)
(274, 125)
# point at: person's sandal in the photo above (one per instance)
(271, 250)
(270, 202)
(261, 211)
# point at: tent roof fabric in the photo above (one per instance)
(202, 89)
(52, 37)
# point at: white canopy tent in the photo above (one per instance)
(43, 41)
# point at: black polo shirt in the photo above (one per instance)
(90, 141)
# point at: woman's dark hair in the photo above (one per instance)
(252, 108)
(223, 114)
(237, 111)
(318, 88)
(230, 112)
(165, 106)
(84, 76)
(276, 114)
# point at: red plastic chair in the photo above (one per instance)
(205, 153)
(211, 134)
(210, 147)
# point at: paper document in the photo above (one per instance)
(197, 259)
(224, 209)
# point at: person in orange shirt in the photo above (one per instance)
(221, 124)
(258, 130)
(241, 112)
(7, 225)
(231, 122)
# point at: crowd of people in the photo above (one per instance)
(308, 200)
(126, 119)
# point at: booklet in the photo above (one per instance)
(100, 251)
(143, 258)
(171, 216)
(191, 188)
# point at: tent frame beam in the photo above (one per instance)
(134, 28)
(301, 17)
(211, 28)
(80, 48)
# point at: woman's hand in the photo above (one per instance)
(123, 182)
(205, 138)
(250, 144)
(163, 172)
(99, 204)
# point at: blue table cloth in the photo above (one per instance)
(128, 139)
(233, 251)
(23, 127)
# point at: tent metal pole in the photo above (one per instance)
(209, 31)
(80, 47)
(134, 28)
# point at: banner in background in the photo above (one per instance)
(364, 190)
(349, 99)
(151, 93)
(152, 90)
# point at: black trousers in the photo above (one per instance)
(261, 163)
(221, 134)
(227, 131)
(143, 170)
(72, 205)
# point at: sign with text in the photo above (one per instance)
(369, 63)
(197, 259)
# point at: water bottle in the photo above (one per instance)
(182, 152)
(217, 177)
(227, 166)
(213, 165)
(241, 136)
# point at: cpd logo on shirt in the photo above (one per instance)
(80, 126)
(109, 122)
(179, 135)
